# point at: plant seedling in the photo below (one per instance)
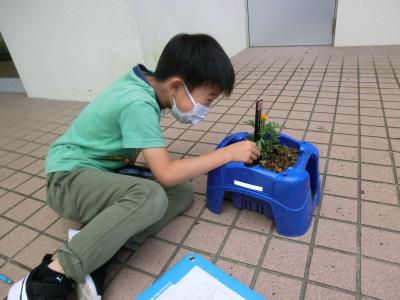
(273, 155)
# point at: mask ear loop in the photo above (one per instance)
(192, 99)
(189, 94)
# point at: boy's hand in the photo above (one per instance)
(245, 151)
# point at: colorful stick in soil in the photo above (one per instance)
(257, 123)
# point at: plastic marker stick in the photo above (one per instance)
(5, 279)
(257, 125)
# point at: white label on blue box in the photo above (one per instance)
(199, 285)
(248, 185)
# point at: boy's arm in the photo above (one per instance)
(170, 173)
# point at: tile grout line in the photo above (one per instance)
(332, 58)
(359, 186)
(396, 176)
(270, 235)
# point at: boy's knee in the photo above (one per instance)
(186, 194)
(157, 199)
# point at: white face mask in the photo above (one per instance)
(198, 112)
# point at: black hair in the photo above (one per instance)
(199, 60)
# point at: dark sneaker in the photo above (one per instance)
(42, 283)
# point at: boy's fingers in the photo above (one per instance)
(256, 152)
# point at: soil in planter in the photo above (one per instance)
(282, 158)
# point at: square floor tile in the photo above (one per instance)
(379, 192)
(380, 244)
(60, 228)
(315, 292)
(375, 157)
(15, 240)
(286, 257)
(277, 287)
(197, 206)
(346, 119)
(213, 138)
(230, 119)
(337, 235)
(24, 209)
(201, 149)
(379, 279)
(5, 172)
(346, 128)
(373, 131)
(323, 149)
(297, 134)
(200, 184)
(206, 236)
(380, 215)
(225, 217)
(319, 137)
(6, 226)
(42, 219)
(339, 208)
(14, 180)
(127, 282)
(333, 268)
(41, 194)
(35, 167)
(241, 272)
(345, 140)
(152, 256)
(180, 146)
(306, 237)
(204, 125)
(33, 254)
(172, 133)
(343, 168)
(21, 163)
(176, 229)
(191, 135)
(9, 200)
(244, 246)
(377, 173)
(296, 124)
(374, 143)
(345, 153)
(253, 221)
(341, 186)
(322, 117)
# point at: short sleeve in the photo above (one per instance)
(140, 126)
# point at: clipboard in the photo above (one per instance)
(196, 278)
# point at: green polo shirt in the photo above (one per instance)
(121, 121)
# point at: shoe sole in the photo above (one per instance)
(18, 291)
(84, 291)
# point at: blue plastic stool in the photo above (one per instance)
(289, 197)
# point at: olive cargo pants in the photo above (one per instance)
(115, 209)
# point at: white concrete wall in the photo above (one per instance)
(367, 22)
(71, 50)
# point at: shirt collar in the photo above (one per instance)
(140, 71)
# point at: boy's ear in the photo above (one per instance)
(175, 83)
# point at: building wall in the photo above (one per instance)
(367, 22)
(71, 50)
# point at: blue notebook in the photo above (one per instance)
(195, 278)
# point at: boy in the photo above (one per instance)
(116, 209)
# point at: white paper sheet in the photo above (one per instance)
(197, 284)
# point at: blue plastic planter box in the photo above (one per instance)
(289, 197)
